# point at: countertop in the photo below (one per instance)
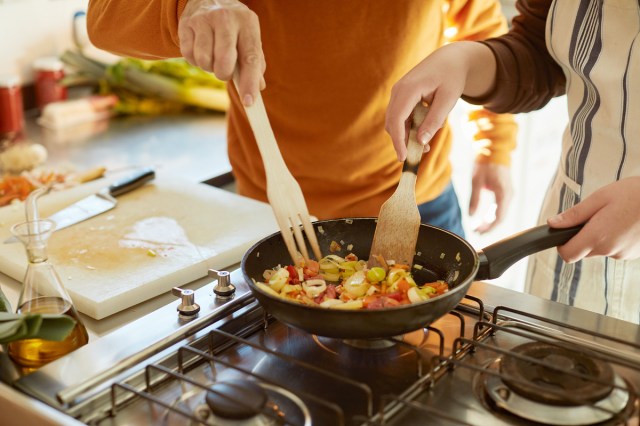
(192, 146)
(189, 145)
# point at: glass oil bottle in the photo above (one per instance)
(43, 292)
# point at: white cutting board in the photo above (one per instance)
(107, 264)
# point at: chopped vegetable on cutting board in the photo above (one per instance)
(16, 187)
(20, 156)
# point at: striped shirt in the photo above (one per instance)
(591, 52)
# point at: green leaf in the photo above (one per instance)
(11, 328)
(55, 327)
(34, 326)
(5, 306)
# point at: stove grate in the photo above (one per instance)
(204, 362)
(603, 398)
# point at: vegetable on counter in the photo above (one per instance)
(150, 87)
(69, 113)
(16, 187)
(22, 155)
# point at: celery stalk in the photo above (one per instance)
(175, 81)
(169, 88)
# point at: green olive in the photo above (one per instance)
(376, 274)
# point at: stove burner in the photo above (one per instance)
(597, 413)
(551, 384)
(367, 343)
(336, 346)
(384, 370)
(249, 403)
(224, 401)
(517, 389)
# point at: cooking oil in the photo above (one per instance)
(42, 293)
(34, 353)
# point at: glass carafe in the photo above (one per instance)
(43, 292)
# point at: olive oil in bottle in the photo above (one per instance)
(34, 353)
(43, 293)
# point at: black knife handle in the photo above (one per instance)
(131, 182)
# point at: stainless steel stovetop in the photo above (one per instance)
(233, 364)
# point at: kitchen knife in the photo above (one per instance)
(98, 203)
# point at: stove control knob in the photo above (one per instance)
(223, 289)
(188, 306)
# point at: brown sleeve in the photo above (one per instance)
(527, 76)
(146, 29)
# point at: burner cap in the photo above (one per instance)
(236, 399)
(556, 380)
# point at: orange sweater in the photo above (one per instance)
(330, 68)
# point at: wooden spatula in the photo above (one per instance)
(399, 219)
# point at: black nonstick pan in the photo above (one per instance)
(442, 255)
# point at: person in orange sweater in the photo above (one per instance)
(326, 70)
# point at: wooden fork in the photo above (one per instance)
(283, 191)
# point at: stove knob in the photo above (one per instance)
(223, 289)
(188, 307)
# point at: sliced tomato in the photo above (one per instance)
(439, 287)
(379, 302)
(320, 298)
(368, 300)
(293, 275)
(396, 295)
(331, 291)
(403, 285)
(311, 269)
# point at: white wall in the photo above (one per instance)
(534, 161)
(30, 29)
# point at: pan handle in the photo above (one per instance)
(500, 256)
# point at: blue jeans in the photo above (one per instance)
(443, 211)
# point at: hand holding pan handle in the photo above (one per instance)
(498, 257)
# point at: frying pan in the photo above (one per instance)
(442, 255)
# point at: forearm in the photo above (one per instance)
(527, 77)
(481, 69)
(143, 29)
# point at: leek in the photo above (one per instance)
(279, 279)
(173, 80)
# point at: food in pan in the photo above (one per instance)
(347, 283)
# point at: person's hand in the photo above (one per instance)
(612, 223)
(439, 80)
(496, 179)
(220, 35)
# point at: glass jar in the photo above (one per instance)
(11, 106)
(43, 293)
(49, 72)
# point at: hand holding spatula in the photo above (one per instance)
(399, 219)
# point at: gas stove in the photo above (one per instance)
(215, 357)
